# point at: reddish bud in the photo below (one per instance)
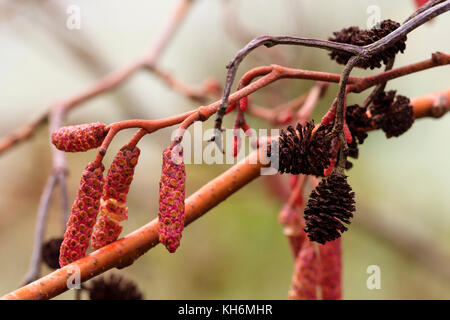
(331, 113)
(80, 137)
(347, 133)
(236, 144)
(243, 103)
(285, 117)
(420, 3)
(83, 216)
(231, 107)
(171, 198)
(328, 170)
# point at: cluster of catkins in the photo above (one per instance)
(108, 195)
(95, 193)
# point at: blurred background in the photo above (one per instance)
(236, 251)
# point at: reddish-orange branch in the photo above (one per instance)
(437, 59)
(435, 104)
(127, 249)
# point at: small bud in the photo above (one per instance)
(83, 216)
(113, 207)
(171, 198)
(80, 137)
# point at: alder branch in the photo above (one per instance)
(235, 28)
(124, 251)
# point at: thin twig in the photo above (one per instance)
(34, 270)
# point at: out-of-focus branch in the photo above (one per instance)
(417, 244)
(50, 16)
(242, 34)
(283, 113)
(34, 270)
(200, 94)
(110, 81)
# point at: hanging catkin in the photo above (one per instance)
(113, 208)
(83, 215)
(171, 199)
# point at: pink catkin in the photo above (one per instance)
(171, 199)
(113, 207)
(305, 278)
(80, 137)
(83, 216)
(331, 270)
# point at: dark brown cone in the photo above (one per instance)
(380, 106)
(302, 153)
(114, 288)
(399, 118)
(357, 122)
(330, 205)
(358, 37)
(392, 113)
(50, 252)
